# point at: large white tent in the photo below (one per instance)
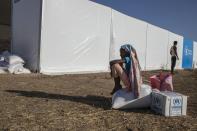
(78, 36)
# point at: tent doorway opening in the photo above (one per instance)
(5, 25)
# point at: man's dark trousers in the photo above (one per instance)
(173, 63)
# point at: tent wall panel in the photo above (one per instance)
(26, 16)
(75, 36)
(157, 43)
(128, 30)
(174, 37)
(195, 55)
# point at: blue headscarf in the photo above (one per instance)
(128, 48)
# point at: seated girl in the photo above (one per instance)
(127, 69)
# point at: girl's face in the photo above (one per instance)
(122, 53)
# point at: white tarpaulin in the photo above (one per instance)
(195, 54)
(128, 30)
(157, 43)
(174, 37)
(125, 100)
(75, 36)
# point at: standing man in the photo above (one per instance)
(174, 56)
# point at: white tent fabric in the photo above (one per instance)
(128, 30)
(174, 37)
(195, 55)
(157, 43)
(80, 36)
(75, 36)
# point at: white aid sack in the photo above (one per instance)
(13, 59)
(125, 100)
(23, 71)
(14, 68)
(18, 69)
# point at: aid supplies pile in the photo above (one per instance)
(166, 103)
(169, 103)
(10, 63)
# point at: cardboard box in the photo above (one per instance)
(169, 103)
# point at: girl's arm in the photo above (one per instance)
(116, 61)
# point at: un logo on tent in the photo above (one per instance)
(188, 52)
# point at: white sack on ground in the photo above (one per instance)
(15, 68)
(13, 59)
(125, 100)
(23, 71)
(18, 68)
(12, 64)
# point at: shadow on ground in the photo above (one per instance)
(95, 101)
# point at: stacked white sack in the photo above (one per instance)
(14, 63)
(125, 100)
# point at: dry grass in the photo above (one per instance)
(82, 102)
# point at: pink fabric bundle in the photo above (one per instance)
(162, 82)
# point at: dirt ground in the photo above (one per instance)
(83, 102)
(37, 102)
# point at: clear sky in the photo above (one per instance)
(178, 16)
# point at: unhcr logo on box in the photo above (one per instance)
(177, 102)
(176, 106)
